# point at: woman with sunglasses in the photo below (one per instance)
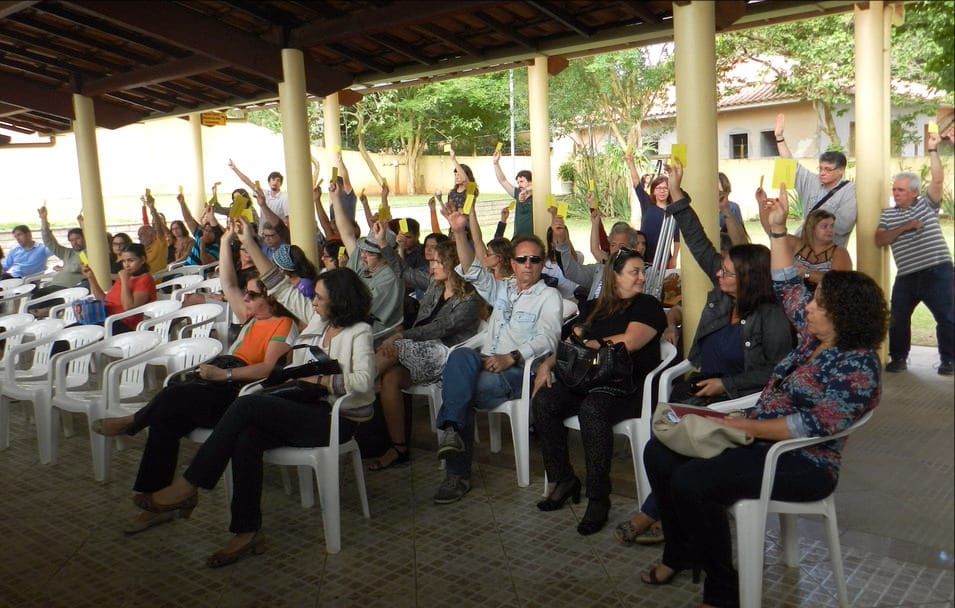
(267, 331)
(742, 334)
(622, 313)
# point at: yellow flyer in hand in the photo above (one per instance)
(933, 128)
(336, 148)
(498, 147)
(512, 206)
(334, 174)
(447, 148)
(403, 226)
(562, 210)
(784, 172)
(241, 207)
(341, 252)
(550, 201)
(590, 185)
(678, 151)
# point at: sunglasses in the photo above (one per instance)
(534, 259)
(252, 295)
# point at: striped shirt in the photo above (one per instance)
(916, 250)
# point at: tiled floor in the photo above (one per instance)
(62, 546)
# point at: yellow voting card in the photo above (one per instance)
(562, 210)
(336, 148)
(498, 147)
(341, 251)
(149, 192)
(784, 172)
(470, 188)
(678, 152)
(258, 186)
(550, 201)
(334, 173)
(512, 206)
(468, 202)
(180, 188)
(362, 193)
(933, 128)
(83, 259)
(403, 226)
(629, 150)
(447, 147)
(384, 182)
(590, 185)
(761, 181)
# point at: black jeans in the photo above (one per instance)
(170, 416)
(251, 425)
(597, 412)
(694, 493)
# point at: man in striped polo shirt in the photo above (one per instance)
(924, 264)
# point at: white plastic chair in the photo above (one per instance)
(519, 412)
(636, 430)
(11, 332)
(67, 295)
(384, 333)
(9, 284)
(38, 389)
(324, 462)
(671, 374)
(40, 364)
(120, 380)
(212, 285)
(198, 270)
(149, 310)
(175, 283)
(751, 517)
(15, 298)
(569, 311)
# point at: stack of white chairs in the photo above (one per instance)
(200, 320)
(11, 332)
(13, 373)
(121, 379)
(212, 285)
(150, 310)
(175, 283)
(15, 299)
(35, 384)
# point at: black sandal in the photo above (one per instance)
(403, 458)
(650, 577)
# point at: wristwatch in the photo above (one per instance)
(228, 375)
(516, 355)
(805, 275)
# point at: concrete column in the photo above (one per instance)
(694, 31)
(298, 167)
(91, 188)
(537, 78)
(331, 111)
(871, 136)
(198, 164)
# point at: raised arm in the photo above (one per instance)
(242, 176)
(780, 137)
(501, 178)
(158, 222)
(477, 238)
(48, 239)
(632, 169)
(327, 227)
(433, 210)
(459, 223)
(343, 171)
(782, 251)
(735, 229)
(245, 235)
(186, 214)
(934, 187)
(346, 228)
(267, 215)
(227, 276)
(595, 225)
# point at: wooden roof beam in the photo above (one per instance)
(563, 17)
(177, 68)
(504, 30)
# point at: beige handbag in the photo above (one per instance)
(693, 431)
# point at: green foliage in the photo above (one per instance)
(611, 186)
(271, 119)
(923, 47)
(566, 172)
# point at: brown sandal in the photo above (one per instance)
(402, 458)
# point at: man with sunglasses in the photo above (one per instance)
(827, 189)
(525, 322)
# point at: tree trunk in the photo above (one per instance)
(366, 156)
(829, 125)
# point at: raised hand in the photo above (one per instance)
(780, 125)
(42, 213)
(456, 219)
(505, 213)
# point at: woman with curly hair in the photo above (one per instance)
(450, 313)
(256, 423)
(821, 388)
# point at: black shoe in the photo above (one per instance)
(946, 368)
(896, 365)
(562, 491)
(595, 518)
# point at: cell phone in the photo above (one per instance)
(659, 169)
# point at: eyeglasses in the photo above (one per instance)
(726, 273)
(119, 243)
(825, 169)
(269, 235)
(533, 259)
(252, 295)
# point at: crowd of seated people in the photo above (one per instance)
(356, 299)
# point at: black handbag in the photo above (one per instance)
(608, 369)
(322, 365)
(301, 391)
(191, 375)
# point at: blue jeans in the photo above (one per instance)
(934, 287)
(464, 386)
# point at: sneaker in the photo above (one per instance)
(946, 368)
(449, 443)
(651, 536)
(896, 365)
(452, 489)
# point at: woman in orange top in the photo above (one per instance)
(267, 332)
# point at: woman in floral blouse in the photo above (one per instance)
(821, 388)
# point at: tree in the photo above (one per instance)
(924, 45)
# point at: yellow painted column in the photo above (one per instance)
(198, 165)
(91, 188)
(331, 110)
(871, 139)
(694, 31)
(537, 78)
(298, 167)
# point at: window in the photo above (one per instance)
(651, 146)
(739, 145)
(767, 144)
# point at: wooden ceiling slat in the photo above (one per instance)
(173, 70)
(563, 17)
